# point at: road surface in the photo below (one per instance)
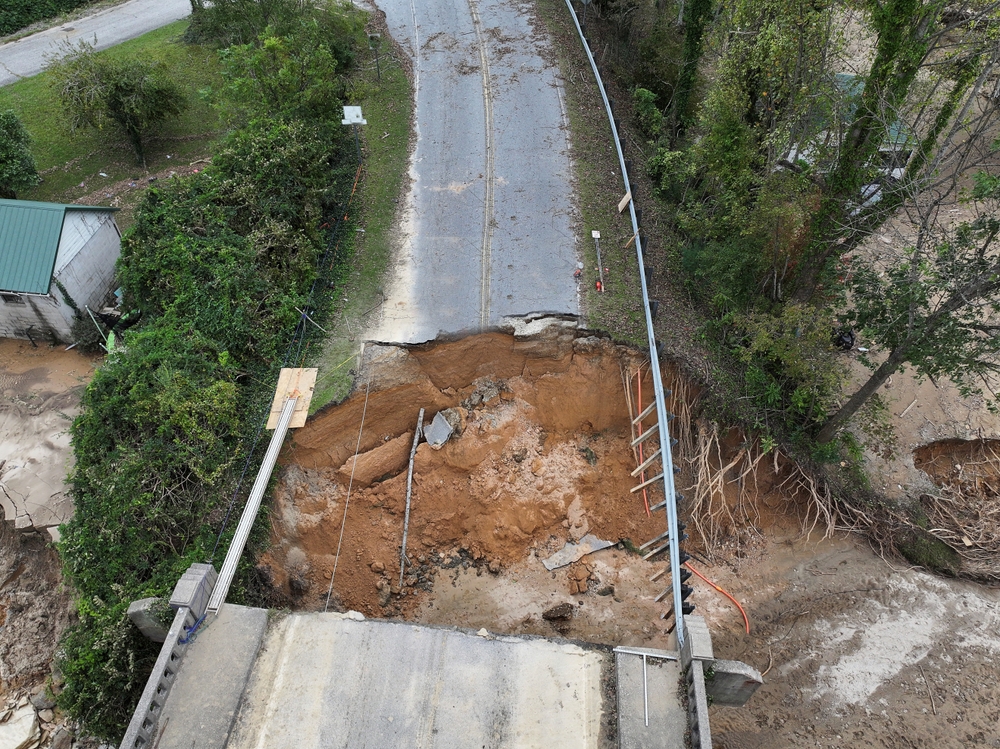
(111, 26)
(487, 229)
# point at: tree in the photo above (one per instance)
(926, 77)
(936, 307)
(17, 165)
(133, 96)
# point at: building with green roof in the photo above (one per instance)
(55, 261)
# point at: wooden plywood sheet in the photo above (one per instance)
(293, 383)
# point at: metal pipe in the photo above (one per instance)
(409, 490)
(645, 691)
(653, 355)
(239, 541)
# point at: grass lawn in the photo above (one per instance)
(71, 163)
(388, 107)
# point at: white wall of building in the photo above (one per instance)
(85, 266)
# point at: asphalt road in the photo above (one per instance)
(108, 27)
(487, 231)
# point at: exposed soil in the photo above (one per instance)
(855, 651)
(542, 457)
(40, 392)
(34, 608)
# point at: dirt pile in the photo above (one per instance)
(34, 608)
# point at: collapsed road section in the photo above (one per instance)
(529, 453)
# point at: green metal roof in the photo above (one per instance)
(29, 243)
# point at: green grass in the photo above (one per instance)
(71, 163)
(388, 107)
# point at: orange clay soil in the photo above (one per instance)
(542, 457)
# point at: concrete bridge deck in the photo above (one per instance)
(340, 680)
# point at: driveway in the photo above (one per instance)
(106, 28)
(487, 229)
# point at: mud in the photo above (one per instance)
(40, 392)
(856, 651)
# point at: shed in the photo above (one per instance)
(55, 260)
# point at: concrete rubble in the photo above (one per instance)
(21, 729)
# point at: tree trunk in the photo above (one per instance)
(879, 376)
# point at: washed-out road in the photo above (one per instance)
(487, 229)
(106, 28)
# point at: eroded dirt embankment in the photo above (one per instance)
(541, 456)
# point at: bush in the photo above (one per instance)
(218, 262)
(649, 115)
(17, 165)
(226, 23)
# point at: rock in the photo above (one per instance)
(578, 579)
(384, 596)
(607, 590)
(42, 700)
(21, 731)
(378, 568)
(561, 612)
(439, 431)
(388, 458)
(494, 567)
(456, 418)
(62, 738)
(144, 613)
(46, 716)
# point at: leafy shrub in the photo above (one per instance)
(226, 23)
(649, 115)
(17, 165)
(218, 262)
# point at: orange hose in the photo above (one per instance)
(725, 593)
(642, 476)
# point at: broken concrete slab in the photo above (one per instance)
(328, 680)
(439, 431)
(732, 683)
(21, 731)
(143, 615)
(573, 552)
